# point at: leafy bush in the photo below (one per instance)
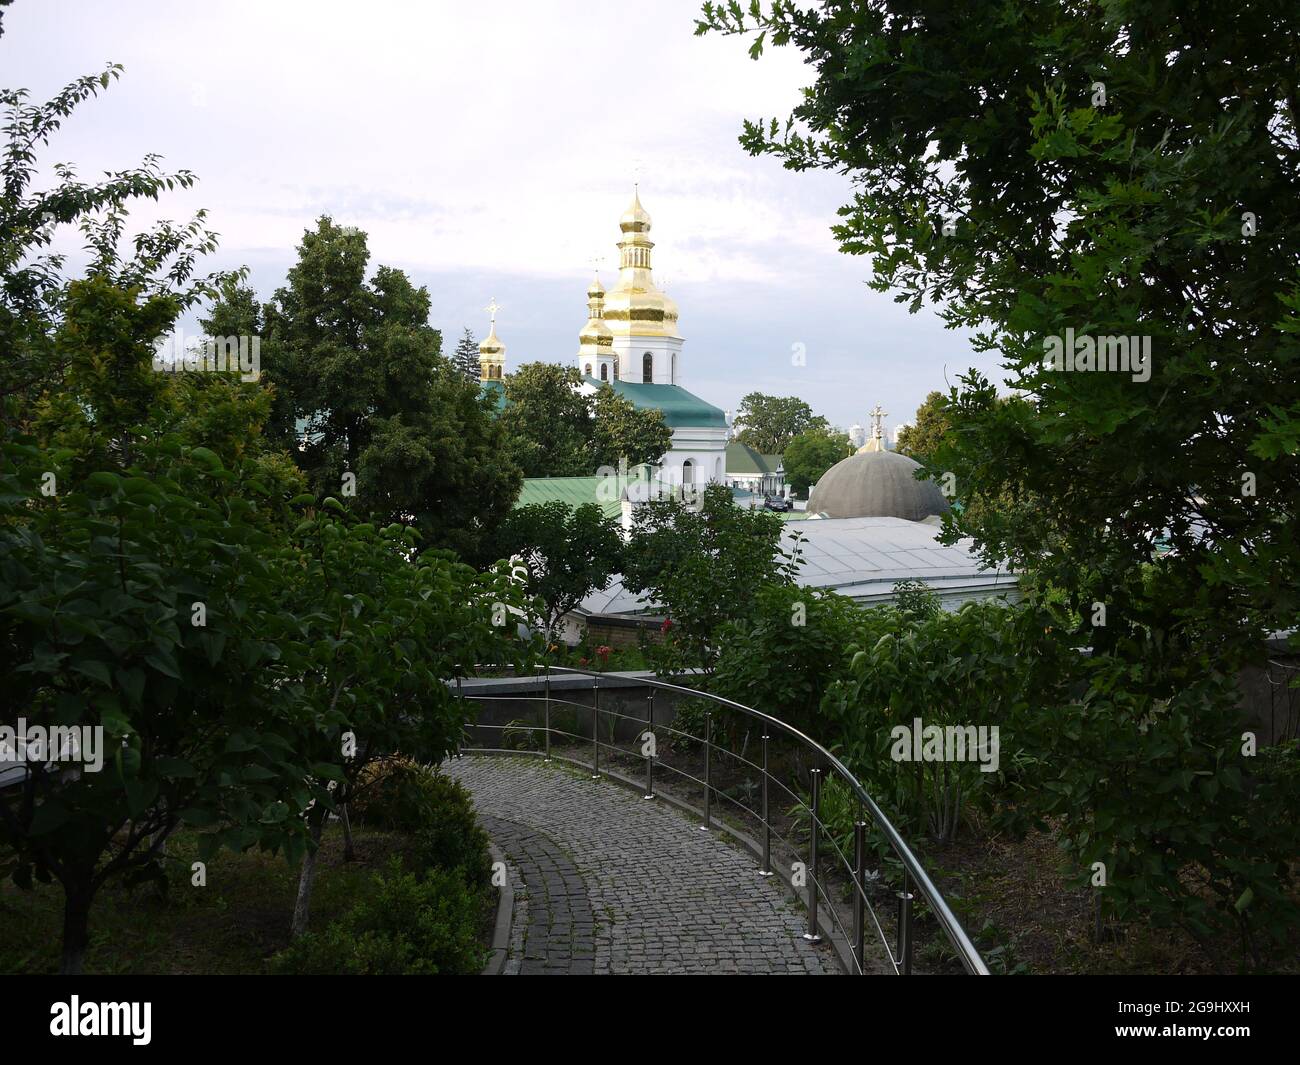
(450, 839)
(969, 668)
(405, 926)
(783, 656)
(397, 794)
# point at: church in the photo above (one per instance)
(632, 344)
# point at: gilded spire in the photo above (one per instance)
(491, 352)
(635, 306)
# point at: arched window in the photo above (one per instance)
(588, 369)
(688, 472)
(615, 365)
(647, 368)
(604, 371)
(673, 379)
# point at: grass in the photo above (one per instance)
(232, 925)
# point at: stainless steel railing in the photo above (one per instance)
(899, 954)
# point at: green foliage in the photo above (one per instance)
(622, 433)
(404, 926)
(1124, 170)
(548, 421)
(810, 454)
(782, 657)
(465, 357)
(569, 553)
(557, 431)
(769, 423)
(916, 600)
(703, 561)
(450, 837)
(361, 387)
(32, 281)
(921, 439)
(968, 668)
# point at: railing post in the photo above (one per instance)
(905, 898)
(461, 697)
(546, 730)
(650, 741)
(708, 774)
(859, 893)
(766, 869)
(811, 935)
(595, 728)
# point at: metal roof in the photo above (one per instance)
(864, 558)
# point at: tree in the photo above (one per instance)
(465, 358)
(32, 284)
(557, 431)
(922, 438)
(569, 553)
(811, 454)
(703, 561)
(771, 422)
(622, 432)
(783, 656)
(1107, 197)
(548, 421)
(365, 402)
(167, 638)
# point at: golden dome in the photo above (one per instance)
(595, 334)
(635, 219)
(635, 306)
(491, 344)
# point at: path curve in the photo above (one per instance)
(608, 882)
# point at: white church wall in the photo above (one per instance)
(631, 352)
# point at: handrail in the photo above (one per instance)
(913, 872)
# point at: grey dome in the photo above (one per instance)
(876, 484)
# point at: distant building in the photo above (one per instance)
(631, 344)
(754, 472)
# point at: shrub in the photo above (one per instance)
(450, 840)
(396, 794)
(405, 926)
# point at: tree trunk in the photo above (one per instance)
(302, 904)
(349, 853)
(76, 927)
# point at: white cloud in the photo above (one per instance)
(496, 143)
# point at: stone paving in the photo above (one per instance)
(608, 882)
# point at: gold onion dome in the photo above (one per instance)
(596, 332)
(635, 306)
(635, 219)
(491, 344)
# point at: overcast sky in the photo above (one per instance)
(488, 150)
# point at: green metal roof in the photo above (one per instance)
(575, 491)
(681, 408)
(741, 458)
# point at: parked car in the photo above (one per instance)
(776, 503)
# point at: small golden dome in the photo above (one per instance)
(635, 219)
(491, 344)
(595, 290)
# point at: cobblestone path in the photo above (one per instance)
(607, 882)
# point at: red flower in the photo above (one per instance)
(582, 663)
(603, 651)
(668, 624)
